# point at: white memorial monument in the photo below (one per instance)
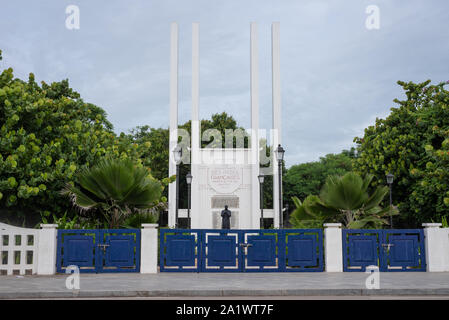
(224, 176)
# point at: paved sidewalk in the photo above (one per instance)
(225, 284)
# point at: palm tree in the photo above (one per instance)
(117, 188)
(346, 199)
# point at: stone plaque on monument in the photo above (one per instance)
(221, 201)
(225, 179)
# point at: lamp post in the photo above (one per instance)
(261, 178)
(390, 178)
(189, 178)
(177, 154)
(279, 157)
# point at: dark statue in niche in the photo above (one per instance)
(226, 218)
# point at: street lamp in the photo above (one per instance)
(189, 178)
(177, 155)
(390, 178)
(261, 178)
(279, 157)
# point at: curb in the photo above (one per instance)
(224, 293)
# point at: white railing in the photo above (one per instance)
(18, 248)
(27, 251)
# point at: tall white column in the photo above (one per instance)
(276, 96)
(195, 151)
(254, 79)
(173, 124)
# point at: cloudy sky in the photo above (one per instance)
(337, 76)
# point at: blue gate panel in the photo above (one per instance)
(261, 251)
(390, 250)
(403, 250)
(180, 250)
(79, 250)
(302, 251)
(108, 250)
(120, 252)
(77, 247)
(360, 248)
(221, 251)
(363, 250)
(215, 250)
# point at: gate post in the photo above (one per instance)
(148, 248)
(333, 248)
(46, 261)
(437, 247)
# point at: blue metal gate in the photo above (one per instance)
(199, 250)
(390, 250)
(108, 250)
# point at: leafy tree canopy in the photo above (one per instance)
(413, 144)
(47, 133)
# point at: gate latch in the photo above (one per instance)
(387, 247)
(103, 247)
(246, 245)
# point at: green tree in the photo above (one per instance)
(413, 144)
(304, 179)
(345, 199)
(116, 188)
(154, 148)
(47, 134)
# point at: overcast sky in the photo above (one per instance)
(336, 75)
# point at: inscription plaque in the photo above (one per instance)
(225, 180)
(218, 202)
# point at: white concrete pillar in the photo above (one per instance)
(173, 122)
(437, 247)
(196, 128)
(333, 247)
(47, 245)
(276, 96)
(148, 248)
(254, 81)
(195, 85)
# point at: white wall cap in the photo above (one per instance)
(150, 225)
(49, 226)
(332, 225)
(431, 225)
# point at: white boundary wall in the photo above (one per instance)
(33, 251)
